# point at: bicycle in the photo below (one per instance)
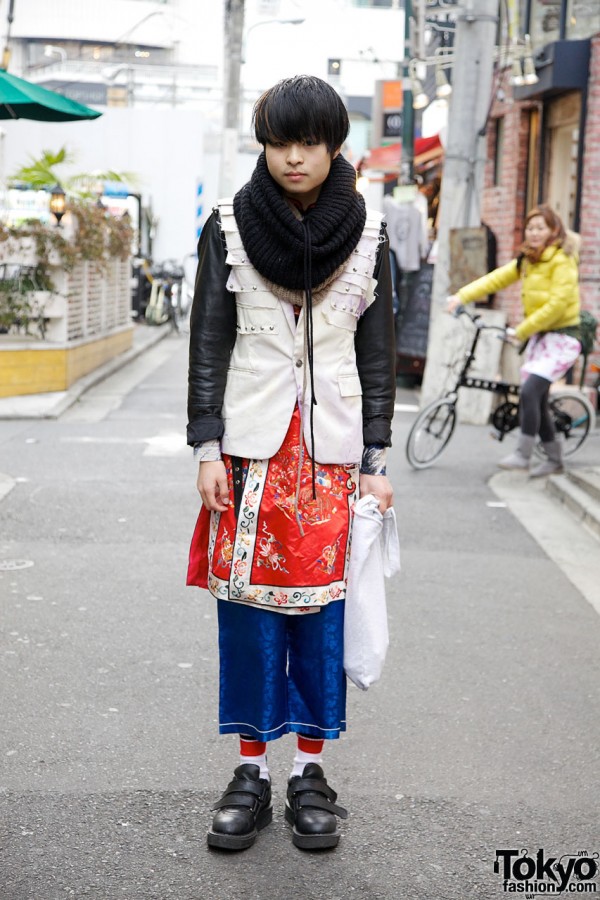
(169, 298)
(431, 431)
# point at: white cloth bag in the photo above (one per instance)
(375, 553)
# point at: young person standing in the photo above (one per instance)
(291, 396)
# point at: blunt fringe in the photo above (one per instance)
(298, 109)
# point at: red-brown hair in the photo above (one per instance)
(554, 223)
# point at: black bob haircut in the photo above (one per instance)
(298, 109)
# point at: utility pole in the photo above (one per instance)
(464, 161)
(234, 29)
(414, 45)
(408, 116)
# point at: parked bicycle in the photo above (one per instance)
(430, 434)
(170, 295)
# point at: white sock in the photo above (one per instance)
(302, 758)
(260, 761)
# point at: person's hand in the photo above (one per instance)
(380, 486)
(511, 337)
(212, 486)
(453, 302)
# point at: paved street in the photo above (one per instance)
(482, 735)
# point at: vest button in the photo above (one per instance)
(298, 362)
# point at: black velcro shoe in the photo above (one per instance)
(311, 811)
(242, 811)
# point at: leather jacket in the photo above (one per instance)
(213, 334)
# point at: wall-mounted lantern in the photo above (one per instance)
(58, 203)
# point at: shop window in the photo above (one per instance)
(583, 18)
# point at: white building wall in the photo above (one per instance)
(164, 150)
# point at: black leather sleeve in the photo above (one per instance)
(376, 355)
(212, 336)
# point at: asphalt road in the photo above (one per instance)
(483, 734)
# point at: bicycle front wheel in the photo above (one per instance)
(573, 416)
(430, 433)
(175, 307)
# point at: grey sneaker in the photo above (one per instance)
(552, 464)
(519, 458)
(546, 467)
(515, 460)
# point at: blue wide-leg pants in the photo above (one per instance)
(280, 673)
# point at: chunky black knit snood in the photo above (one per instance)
(276, 240)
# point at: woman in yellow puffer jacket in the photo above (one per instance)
(547, 267)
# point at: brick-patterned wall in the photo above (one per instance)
(589, 268)
(503, 207)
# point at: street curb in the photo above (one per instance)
(582, 504)
(156, 334)
(570, 546)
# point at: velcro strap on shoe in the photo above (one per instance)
(240, 792)
(299, 785)
(316, 802)
(235, 799)
(248, 787)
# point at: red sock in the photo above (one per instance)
(250, 747)
(309, 751)
(310, 744)
(254, 753)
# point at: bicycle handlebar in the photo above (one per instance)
(478, 322)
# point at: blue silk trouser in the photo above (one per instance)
(281, 673)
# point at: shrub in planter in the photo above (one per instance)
(98, 237)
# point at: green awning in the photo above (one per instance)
(20, 99)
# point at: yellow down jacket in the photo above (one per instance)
(549, 292)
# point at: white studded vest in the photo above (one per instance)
(265, 378)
